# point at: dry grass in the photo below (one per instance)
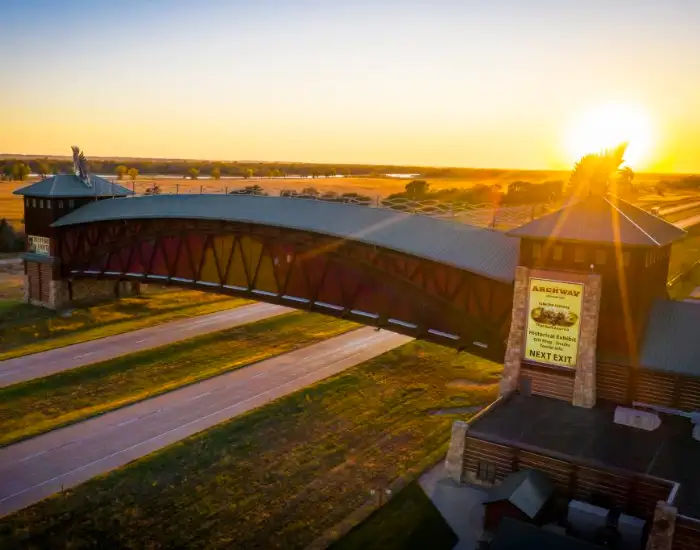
(276, 477)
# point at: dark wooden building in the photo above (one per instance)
(45, 202)
(634, 444)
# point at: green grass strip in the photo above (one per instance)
(26, 329)
(277, 477)
(36, 406)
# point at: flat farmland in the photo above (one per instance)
(11, 205)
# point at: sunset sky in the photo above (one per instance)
(486, 84)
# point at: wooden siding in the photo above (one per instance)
(623, 385)
(689, 395)
(499, 455)
(656, 388)
(612, 382)
(549, 382)
(635, 494)
(687, 533)
(39, 276)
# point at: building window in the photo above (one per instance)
(558, 253)
(486, 471)
(34, 203)
(71, 203)
(600, 257)
(41, 203)
(626, 259)
(60, 204)
(536, 251)
(579, 254)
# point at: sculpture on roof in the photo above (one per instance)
(80, 165)
(601, 173)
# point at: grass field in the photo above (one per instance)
(28, 329)
(44, 404)
(408, 522)
(279, 476)
(11, 207)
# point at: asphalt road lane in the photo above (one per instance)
(36, 468)
(52, 361)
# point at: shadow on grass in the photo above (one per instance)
(408, 521)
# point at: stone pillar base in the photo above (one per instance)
(516, 337)
(63, 294)
(454, 461)
(663, 527)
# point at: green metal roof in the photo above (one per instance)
(672, 339)
(485, 252)
(71, 186)
(527, 490)
(602, 220)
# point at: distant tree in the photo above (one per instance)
(10, 240)
(249, 190)
(216, 173)
(417, 189)
(310, 192)
(133, 172)
(120, 171)
(248, 173)
(329, 196)
(6, 171)
(275, 173)
(192, 172)
(315, 173)
(20, 171)
(594, 173)
(42, 168)
(331, 172)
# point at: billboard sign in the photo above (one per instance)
(553, 322)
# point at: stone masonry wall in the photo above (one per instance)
(516, 336)
(585, 379)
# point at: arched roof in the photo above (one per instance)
(481, 251)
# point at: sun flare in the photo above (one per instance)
(606, 126)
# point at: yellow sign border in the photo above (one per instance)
(527, 344)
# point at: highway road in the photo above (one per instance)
(77, 355)
(36, 468)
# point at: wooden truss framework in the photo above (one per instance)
(340, 277)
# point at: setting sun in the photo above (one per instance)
(608, 125)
